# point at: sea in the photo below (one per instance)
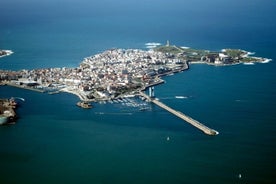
(132, 141)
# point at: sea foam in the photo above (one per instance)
(151, 45)
(184, 47)
(266, 60)
(248, 63)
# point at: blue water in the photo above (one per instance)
(54, 141)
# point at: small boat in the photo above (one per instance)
(248, 63)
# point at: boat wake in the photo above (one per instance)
(175, 97)
(22, 99)
(181, 97)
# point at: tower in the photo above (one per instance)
(168, 43)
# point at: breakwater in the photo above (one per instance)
(186, 118)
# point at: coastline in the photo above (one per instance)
(212, 64)
(78, 94)
(94, 81)
(118, 72)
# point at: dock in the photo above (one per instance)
(182, 116)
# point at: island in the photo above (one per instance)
(5, 53)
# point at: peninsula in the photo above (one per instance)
(118, 72)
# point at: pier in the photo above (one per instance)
(182, 116)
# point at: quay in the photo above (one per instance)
(182, 116)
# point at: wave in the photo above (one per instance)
(249, 63)
(153, 44)
(183, 47)
(247, 53)
(250, 53)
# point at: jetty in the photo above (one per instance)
(182, 116)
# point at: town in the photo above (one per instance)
(118, 72)
(103, 76)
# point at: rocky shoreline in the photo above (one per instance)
(4, 53)
(7, 111)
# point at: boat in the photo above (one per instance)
(85, 105)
